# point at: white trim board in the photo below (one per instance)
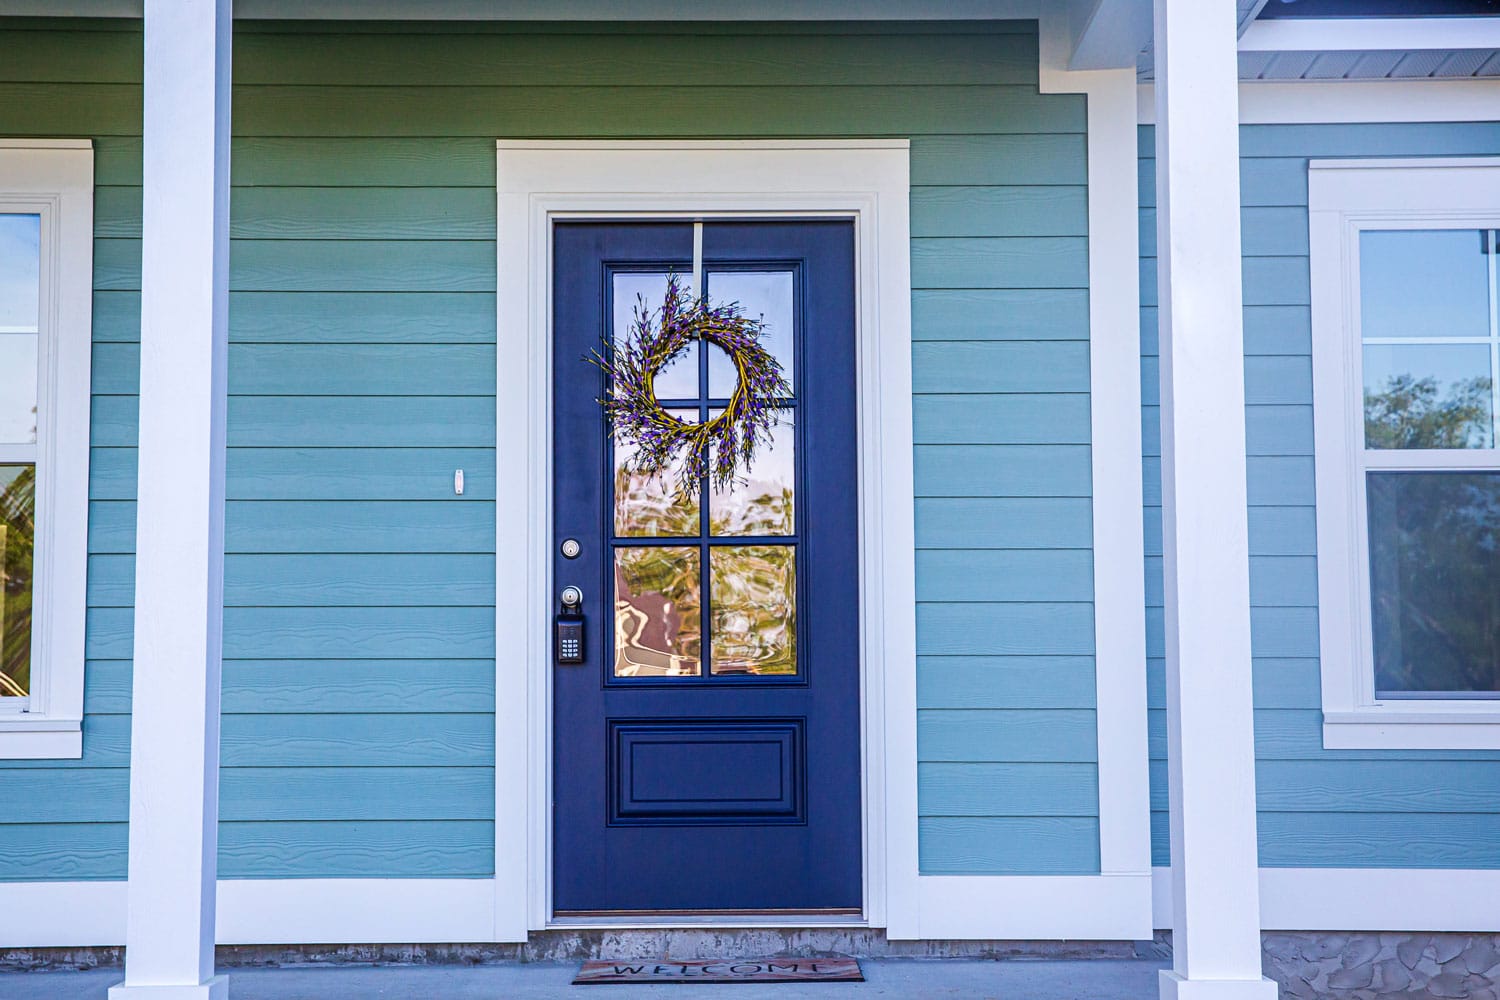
(1115, 437)
(1033, 907)
(1364, 899)
(1356, 34)
(54, 179)
(1346, 197)
(262, 911)
(1330, 102)
(866, 181)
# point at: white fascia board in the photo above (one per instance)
(563, 10)
(1108, 34)
(1364, 34)
(1329, 102)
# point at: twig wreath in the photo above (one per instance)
(714, 449)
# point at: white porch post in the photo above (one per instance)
(1210, 735)
(174, 744)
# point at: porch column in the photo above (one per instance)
(1210, 736)
(174, 742)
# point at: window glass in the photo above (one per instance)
(658, 612)
(753, 590)
(1435, 582)
(1430, 345)
(762, 295)
(1424, 283)
(1428, 396)
(651, 505)
(761, 500)
(640, 293)
(17, 541)
(20, 291)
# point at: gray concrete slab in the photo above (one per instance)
(942, 979)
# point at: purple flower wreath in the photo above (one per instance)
(713, 449)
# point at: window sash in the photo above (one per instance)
(1366, 459)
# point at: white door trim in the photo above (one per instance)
(867, 181)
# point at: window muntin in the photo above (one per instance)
(711, 576)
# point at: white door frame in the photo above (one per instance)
(539, 182)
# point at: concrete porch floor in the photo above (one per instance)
(1093, 979)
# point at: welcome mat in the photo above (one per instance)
(739, 970)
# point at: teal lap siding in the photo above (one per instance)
(1317, 808)
(359, 626)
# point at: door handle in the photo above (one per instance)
(569, 626)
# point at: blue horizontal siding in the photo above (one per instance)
(1318, 808)
(359, 632)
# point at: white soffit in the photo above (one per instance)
(1370, 64)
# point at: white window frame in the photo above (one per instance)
(55, 179)
(1346, 197)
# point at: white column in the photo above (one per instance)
(1210, 734)
(179, 581)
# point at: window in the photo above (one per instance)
(1406, 374)
(46, 276)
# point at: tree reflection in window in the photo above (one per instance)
(1410, 414)
(1435, 581)
(17, 541)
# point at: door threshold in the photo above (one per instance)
(690, 920)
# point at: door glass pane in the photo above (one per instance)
(1427, 396)
(658, 619)
(1424, 283)
(753, 593)
(762, 295)
(20, 295)
(17, 537)
(762, 502)
(1435, 582)
(650, 505)
(637, 291)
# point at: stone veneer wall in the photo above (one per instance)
(1388, 966)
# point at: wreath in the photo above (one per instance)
(714, 449)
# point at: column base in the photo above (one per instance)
(1175, 987)
(216, 988)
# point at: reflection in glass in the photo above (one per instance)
(20, 285)
(658, 619)
(763, 295)
(1424, 283)
(1427, 396)
(649, 505)
(753, 591)
(634, 291)
(1435, 582)
(761, 503)
(17, 538)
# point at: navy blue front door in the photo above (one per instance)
(707, 748)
